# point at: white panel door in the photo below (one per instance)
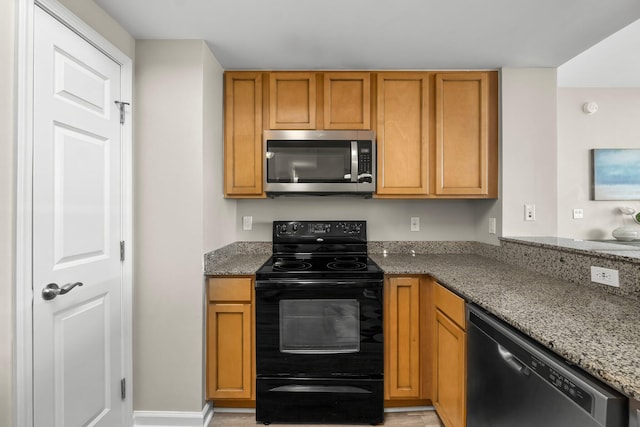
(77, 360)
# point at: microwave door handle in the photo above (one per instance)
(354, 161)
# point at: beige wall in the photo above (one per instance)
(170, 140)
(219, 213)
(386, 219)
(615, 125)
(7, 170)
(529, 150)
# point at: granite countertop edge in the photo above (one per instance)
(563, 316)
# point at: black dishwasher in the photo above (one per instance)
(513, 381)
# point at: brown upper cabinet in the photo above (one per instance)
(347, 103)
(307, 100)
(243, 134)
(465, 134)
(437, 132)
(292, 100)
(403, 134)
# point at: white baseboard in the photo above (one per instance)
(173, 419)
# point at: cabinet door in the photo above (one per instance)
(292, 100)
(347, 102)
(243, 135)
(462, 141)
(402, 133)
(402, 337)
(230, 331)
(229, 361)
(450, 372)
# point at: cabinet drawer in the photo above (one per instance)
(450, 304)
(230, 289)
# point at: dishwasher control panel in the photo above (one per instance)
(562, 383)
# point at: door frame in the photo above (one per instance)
(23, 404)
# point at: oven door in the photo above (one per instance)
(319, 329)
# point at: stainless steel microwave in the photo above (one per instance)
(319, 162)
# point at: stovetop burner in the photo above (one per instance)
(348, 265)
(318, 263)
(291, 265)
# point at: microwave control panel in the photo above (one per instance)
(364, 157)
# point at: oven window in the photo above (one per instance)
(316, 326)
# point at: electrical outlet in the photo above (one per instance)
(415, 223)
(605, 276)
(492, 226)
(578, 213)
(529, 212)
(247, 222)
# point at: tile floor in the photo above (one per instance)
(392, 419)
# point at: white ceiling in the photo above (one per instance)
(380, 34)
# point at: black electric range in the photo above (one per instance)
(319, 332)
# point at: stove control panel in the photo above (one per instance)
(316, 228)
(350, 227)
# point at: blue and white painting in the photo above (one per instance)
(616, 174)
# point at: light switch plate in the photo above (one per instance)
(492, 226)
(247, 222)
(415, 223)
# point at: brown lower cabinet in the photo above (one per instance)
(425, 344)
(406, 336)
(449, 361)
(230, 341)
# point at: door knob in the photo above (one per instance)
(52, 290)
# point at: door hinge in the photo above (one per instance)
(121, 105)
(122, 250)
(123, 389)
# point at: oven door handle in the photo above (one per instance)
(320, 389)
(293, 283)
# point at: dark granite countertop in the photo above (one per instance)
(596, 330)
(239, 258)
(239, 264)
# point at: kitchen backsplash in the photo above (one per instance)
(570, 264)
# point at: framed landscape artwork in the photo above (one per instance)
(616, 174)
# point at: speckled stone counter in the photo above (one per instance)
(594, 329)
(584, 323)
(239, 258)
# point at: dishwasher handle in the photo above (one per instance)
(511, 360)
